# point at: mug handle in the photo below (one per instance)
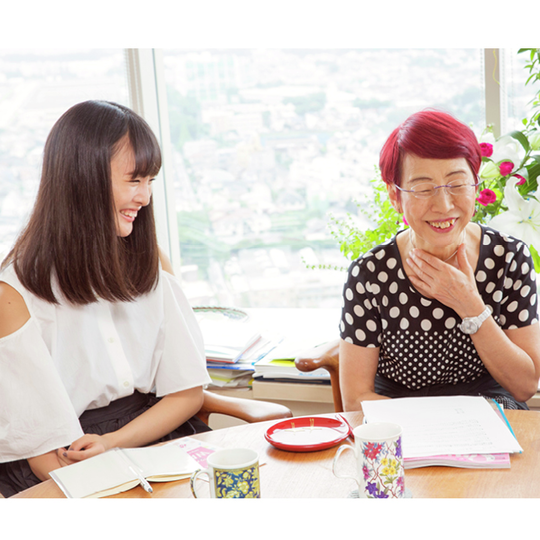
(194, 477)
(341, 449)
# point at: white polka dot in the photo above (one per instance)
(360, 288)
(394, 312)
(342, 326)
(380, 254)
(512, 306)
(367, 303)
(487, 240)
(414, 311)
(349, 318)
(360, 335)
(348, 340)
(525, 268)
(481, 276)
(489, 263)
(438, 313)
(404, 324)
(523, 315)
(500, 273)
(385, 301)
(508, 282)
(384, 323)
(533, 299)
(403, 298)
(513, 266)
(359, 310)
(400, 274)
(489, 287)
(498, 250)
(355, 271)
(349, 294)
(426, 325)
(525, 291)
(393, 288)
(370, 266)
(425, 302)
(375, 289)
(517, 284)
(391, 263)
(371, 325)
(450, 323)
(509, 257)
(497, 296)
(382, 277)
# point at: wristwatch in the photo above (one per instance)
(471, 325)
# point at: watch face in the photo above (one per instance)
(469, 327)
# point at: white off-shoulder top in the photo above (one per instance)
(67, 359)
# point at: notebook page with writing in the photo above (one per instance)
(444, 425)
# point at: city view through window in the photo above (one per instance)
(266, 144)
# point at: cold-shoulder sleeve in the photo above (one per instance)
(183, 363)
(36, 414)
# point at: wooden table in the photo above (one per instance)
(309, 475)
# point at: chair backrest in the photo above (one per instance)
(325, 356)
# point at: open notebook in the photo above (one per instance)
(114, 471)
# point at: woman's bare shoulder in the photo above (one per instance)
(13, 311)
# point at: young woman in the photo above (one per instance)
(99, 347)
(447, 307)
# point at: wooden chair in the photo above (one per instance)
(324, 356)
(249, 410)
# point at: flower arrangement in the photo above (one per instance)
(509, 198)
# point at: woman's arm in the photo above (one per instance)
(357, 369)
(511, 356)
(165, 416)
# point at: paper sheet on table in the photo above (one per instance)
(444, 425)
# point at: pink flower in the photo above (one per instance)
(486, 196)
(521, 179)
(506, 167)
(486, 149)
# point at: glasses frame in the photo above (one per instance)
(434, 192)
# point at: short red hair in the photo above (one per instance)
(429, 134)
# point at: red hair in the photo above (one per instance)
(429, 134)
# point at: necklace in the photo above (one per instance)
(445, 260)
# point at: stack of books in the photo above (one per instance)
(278, 365)
(231, 348)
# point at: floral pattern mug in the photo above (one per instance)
(379, 458)
(233, 474)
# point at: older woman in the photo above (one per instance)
(447, 306)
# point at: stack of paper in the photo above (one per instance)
(227, 340)
(447, 430)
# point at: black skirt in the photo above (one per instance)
(17, 476)
(485, 386)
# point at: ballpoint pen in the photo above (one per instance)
(134, 469)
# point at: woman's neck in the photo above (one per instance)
(445, 253)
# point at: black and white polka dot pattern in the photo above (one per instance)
(419, 338)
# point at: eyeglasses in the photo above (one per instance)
(426, 190)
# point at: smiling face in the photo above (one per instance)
(129, 194)
(439, 222)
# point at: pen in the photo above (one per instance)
(144, 482)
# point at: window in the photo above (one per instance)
(266, 142)
(36, 88)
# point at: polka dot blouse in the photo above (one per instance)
(419, 338)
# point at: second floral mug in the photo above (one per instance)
(379, 459)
